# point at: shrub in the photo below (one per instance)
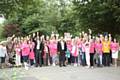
(10, 29)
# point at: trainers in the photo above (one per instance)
(53, 64)
(87, 66)
(75, 65)
(26, 68)
(92, 67)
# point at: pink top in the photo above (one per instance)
(75, 50)
(69, 45)
(98, 47)
(83, 47)
(79, 43)
(92, 47)
(32, 54)
(25, 49)
(17, 50)
(53, 48)
(114, 46)
(46, 51)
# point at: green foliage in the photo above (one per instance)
(100, 15)
(1, 31)
(62, 15)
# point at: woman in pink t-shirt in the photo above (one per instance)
(115, 50)
(53, 50)
(31, 54)
(75, 52)
(25, 52)
(92, 52)
(98, 49)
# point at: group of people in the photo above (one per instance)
(39, 50)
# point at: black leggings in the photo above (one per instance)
(38, 58)
(62, 58)
(91, 59)
(31, 62)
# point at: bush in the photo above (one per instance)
(10, 29)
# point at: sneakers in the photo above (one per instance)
(92, 67)
(115, 65)
(87, 67)
(54, 64)
(26, 67)
(75, 64)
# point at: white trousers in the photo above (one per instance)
(18, 60)
(88, 58)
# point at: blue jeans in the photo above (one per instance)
(83, 59)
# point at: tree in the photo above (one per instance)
(100, 15)
(11, 29)
(37, 15)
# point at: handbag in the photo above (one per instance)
(67, 53)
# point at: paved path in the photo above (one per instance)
(64, 73)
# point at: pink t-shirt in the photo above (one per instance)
(83, 47)
(75, 51)
(32, 54)
(25, 49)
(114, 47)
(46, 51)
(17, 49)
(53, 48)
(92, 47)
(98, 48)
(79, 43)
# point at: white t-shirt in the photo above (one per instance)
(3, 51)
(62, 45)
(38, 44)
